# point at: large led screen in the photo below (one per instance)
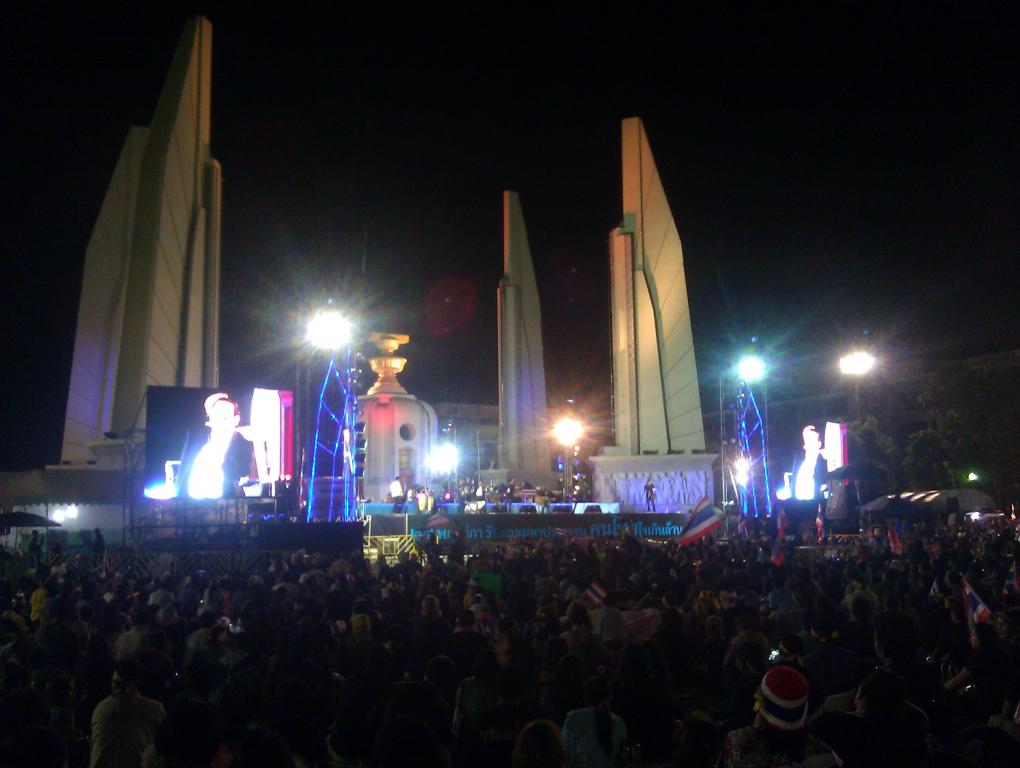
(816, 460)
(217, 443)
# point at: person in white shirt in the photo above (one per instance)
(594, 737)
(124, 723)
(129, 644)
(607, 623)
(397, 495)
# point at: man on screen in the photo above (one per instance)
(225, 462)
(811, 468)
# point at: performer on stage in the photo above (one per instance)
(649, 495)
(397, 495)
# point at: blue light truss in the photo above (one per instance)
(332, 462)
(755, 498)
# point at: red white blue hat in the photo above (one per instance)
(784, 693)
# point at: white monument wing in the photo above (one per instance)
(666, 368)
(150, 293)
(524, 442)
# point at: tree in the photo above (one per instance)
(926, 460)
(976, 413)
(869, 446)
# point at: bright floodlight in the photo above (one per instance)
(973, 477)
(63, 514)
(856, 363)
(329, 330)
(751, 368)
(160, 491)
(742, 471)
(444, 459)
(568, 431)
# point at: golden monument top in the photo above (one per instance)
(388, 343)
(387, 365)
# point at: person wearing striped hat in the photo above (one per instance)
(779, 735)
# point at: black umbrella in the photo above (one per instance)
(25, 520)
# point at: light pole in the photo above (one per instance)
(722, 460)
(568, 431)
(478, 455)
(751, 369)
(752, 438)
(329, 331)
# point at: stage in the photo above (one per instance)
(371, 509)
(516, 527)
(261, 524)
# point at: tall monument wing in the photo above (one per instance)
(524, 443)
(101, 307)
(656, 399)
(149, 308)
(660, 438)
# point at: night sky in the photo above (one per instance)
(830, 175)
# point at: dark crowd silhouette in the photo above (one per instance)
(576, 653)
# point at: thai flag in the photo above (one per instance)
(1012, 585)
(778, 555)
(895, 545)
(595, 595)
(977, 611)
(701, 524)
(639, 626)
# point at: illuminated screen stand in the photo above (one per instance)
(332, 487)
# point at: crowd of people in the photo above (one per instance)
(576, 653)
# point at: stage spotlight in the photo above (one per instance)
(443, 459)
(63, 514)
(742, 471)
(568, 431)
(160, 491)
